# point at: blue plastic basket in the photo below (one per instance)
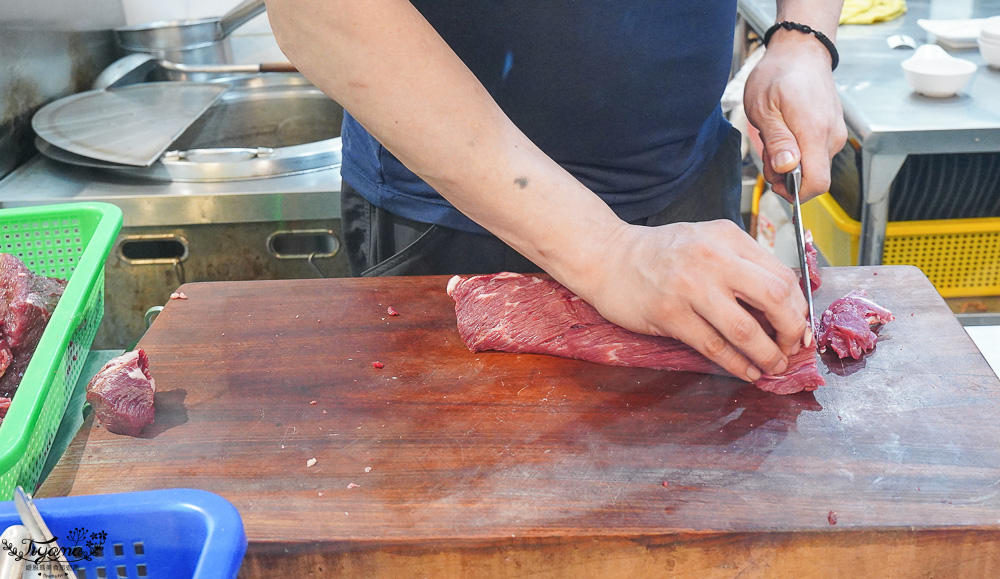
(168, 534)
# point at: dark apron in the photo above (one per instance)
(379, 243)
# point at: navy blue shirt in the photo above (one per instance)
(623, 94)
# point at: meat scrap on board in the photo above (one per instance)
(511, 312)
(846, 326)
(121, 394)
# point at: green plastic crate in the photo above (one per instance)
(69, 241)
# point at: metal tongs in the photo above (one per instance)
(793, 180)
(39, 531)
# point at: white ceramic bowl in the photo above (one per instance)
(933, 72)
(990, 29)
(990, 52)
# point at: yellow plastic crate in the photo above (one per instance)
(960, 256)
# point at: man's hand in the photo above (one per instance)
(683, 280)
(791, 98)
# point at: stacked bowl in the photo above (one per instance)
(932, 72)
(989, 41)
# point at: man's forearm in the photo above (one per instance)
(386, 65)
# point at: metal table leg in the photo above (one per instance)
(878, 172)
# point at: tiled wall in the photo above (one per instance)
(252, 42)
(48, 49)
(140, 11)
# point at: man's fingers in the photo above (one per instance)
(816, 155)
(743, 332)
(787, 280)
(815, 166)
(782, 304)
(751, 250)
(780, 143)
(810, 146)
(694, 331)
(776, 180)
(773, 289)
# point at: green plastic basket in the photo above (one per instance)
(69, 241)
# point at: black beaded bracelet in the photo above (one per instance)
(807, 30)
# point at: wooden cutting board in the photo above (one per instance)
(502, 464)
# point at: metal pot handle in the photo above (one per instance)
(238, 16)
(308, 244)
(184, 68)
(220, 155)
(170, 249)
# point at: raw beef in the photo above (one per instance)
(122, 394)
(802, 375)
(846, 325)
(6, 356)
(26, 304)
(812, 259)
(514, 313)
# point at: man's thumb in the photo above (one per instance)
(781, 147)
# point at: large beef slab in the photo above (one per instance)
(27, 301)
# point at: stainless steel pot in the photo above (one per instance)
(264, 125)
(203, 41)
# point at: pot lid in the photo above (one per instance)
(132, 125)
(262, 126)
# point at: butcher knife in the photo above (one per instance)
(793, 180)
(40, 532)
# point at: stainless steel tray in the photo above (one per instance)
(132, 125)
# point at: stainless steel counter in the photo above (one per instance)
(987, 338)
(225, 230)
(306, 196)
(891, 121)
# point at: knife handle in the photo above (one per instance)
(16, 537)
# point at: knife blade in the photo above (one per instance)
(793, 180)
(38, 530)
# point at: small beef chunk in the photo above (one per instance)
(27, 301)
(122, 394)
(846, 326)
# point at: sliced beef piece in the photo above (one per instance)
(812, 259)
(802, 375)
(510, 312)
(4, 407)
(27, 301)
(846, 326)
(121, 394)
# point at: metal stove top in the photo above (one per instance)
(311, 195)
